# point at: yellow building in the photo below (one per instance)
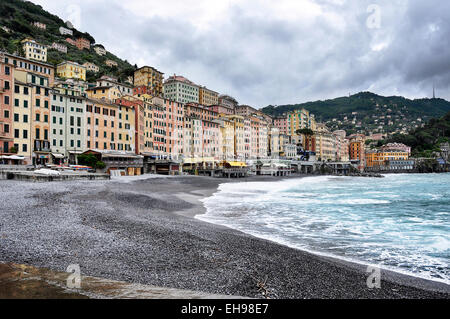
(106, 93)
(227, 139)
(299, 119)
(239, 142)
(325, 143)
(207, 97)
(146, 136)
(111, 63)
(91, 67)
(34, 50)
(149, 77)
(71, 70)
(22, 120)
(379, 158)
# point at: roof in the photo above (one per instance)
(108, 153)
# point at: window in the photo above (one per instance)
(16, 117)
(16, 102)
(6, 114)
(24, 147)
(25, 133)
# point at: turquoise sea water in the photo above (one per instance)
(400, 222)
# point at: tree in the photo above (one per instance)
(305, 131)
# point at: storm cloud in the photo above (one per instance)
(279, 52)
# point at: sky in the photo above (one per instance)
(281, 51)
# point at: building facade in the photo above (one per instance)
(149, 77)
(178, 88)
(34, 50)
(207, 97)
(6, 106)
(71, 70)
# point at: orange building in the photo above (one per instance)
(82, 43)
(109, 126)
(356, 149)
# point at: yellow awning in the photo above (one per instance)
(237, 164)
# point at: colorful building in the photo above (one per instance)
(106, 81)
(68, 124)
(82, 43)
(149, 77)
(71, 70)
(100, 50)
(281, 123)
(6, 106)
(178, 88)
(91, 67)
(34, 50)
(111, 63)
(106, 93)
(59, 47)
(207, 97)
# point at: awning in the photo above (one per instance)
(56, 155)
(190, 160)
(12, 157)
(237, 164)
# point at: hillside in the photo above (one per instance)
(367, 112)
(18, 15)
(425, 140)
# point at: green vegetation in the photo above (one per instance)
(305, 131)
(425, 140)
(18, 15)
(366, 112)
(90, 160)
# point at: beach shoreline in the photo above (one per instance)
(145, 231)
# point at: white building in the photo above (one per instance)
(34, 50)
(107, 81)
(100, 50)
(68, 124)
(59, 47)
(65, 31)
(178, 88)
(91, 67)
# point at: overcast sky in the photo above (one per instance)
(280, 51)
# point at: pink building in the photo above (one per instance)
(281, 123)
(221, 109)
(6, 114)
(396, 147)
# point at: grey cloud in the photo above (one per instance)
(265, 59)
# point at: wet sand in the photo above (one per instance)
(141, 231)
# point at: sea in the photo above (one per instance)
(400, 222)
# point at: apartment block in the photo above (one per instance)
(91, 67)
(82, 43)
(68, 124)
(100, 50)
(71, 70)
(178, 88)
(34, 50)
(149, 77)
(59, 47)
(6, 106)
(207, 97)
